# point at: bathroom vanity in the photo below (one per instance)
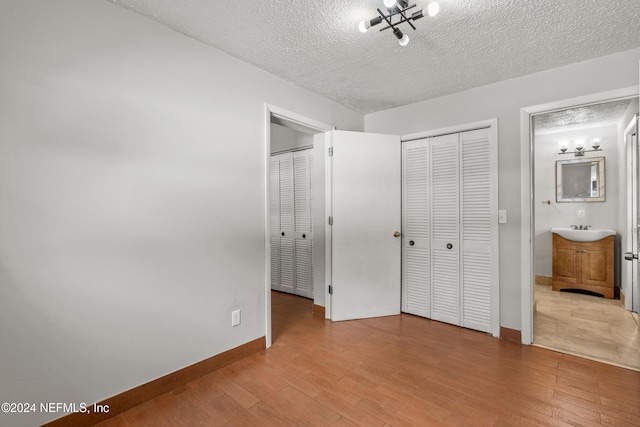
(583, 259)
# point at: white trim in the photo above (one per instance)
(450, 129)
(526, 191)
(298, 119)
(328, 206)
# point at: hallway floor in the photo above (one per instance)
(583, 325)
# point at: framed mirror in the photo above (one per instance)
(580, 180)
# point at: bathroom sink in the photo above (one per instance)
(583, 235)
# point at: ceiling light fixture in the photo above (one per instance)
(396, 11)
(579, 147)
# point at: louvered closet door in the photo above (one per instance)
(416, 280)
(479, 223)
(274, 221)
(445, 211)
(287, 220)
(302, 162)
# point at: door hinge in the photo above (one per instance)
(330, 289)
(330, 151)
(330, 220)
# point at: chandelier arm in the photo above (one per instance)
(406, 19)
(386, 18)
(399, 22)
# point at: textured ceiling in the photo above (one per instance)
(316, 44)
(603, 114)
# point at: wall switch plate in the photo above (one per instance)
(581, 213)
(235, 318)
(502, 216)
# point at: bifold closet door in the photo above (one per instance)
(303, 235)
(479, 229)
(416, 274)
(445, 243)
(282, 224)
(450, 230)
(291, 223)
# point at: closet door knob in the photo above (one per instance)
(304, 236)
(449, 246)
(411, 243)
(396, 234)
(283, 233)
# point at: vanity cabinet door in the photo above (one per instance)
(567, 265)
(597, 264)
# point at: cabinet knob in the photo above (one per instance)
(449, 246)
(411, 243)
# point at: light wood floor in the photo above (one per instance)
(395, 371)
(586, 325)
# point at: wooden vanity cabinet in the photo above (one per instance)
(583, 265)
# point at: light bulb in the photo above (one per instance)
(563, 146)
(389, 3)
(579, 144)
(433, 8)
(595, 143)
(363, 26)
(404, 40)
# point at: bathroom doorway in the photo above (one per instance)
(578, 322)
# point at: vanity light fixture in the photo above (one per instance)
(579, 150)
(396, 11)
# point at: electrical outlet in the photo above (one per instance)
(235, 318)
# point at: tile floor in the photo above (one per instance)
(583, 325)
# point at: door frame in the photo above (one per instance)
(296, 120)
(527, 211)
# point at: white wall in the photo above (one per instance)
(597, 214)
(503, 101)
(132, 199)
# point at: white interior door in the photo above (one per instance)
(365, 206)
(635, 286)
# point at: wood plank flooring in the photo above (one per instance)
(395, 371)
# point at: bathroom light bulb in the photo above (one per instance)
(433, 9)
(363, 26)
(389, 3)
(579, 144)
(563, 146)
(595, 143)
(404, 40)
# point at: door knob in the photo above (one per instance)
(411, 243)
(396, 234)
(629, 256)
(449, 246)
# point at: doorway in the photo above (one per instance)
(293, 132)
(583, 325)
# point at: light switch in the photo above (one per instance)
(502, 216)
(581, 213)
(235, 318)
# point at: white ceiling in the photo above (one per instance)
(583, 117)
(316, 44)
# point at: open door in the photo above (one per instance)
(364, 177)
(631, 280)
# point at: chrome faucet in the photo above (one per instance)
(580, 227)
